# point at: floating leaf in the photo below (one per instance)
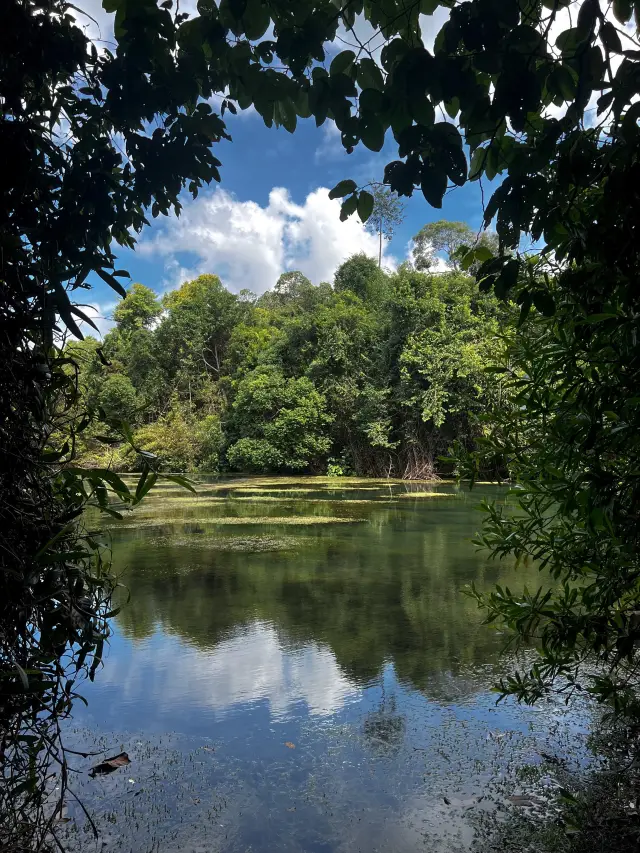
(110, 764)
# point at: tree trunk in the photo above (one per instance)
(380, 250)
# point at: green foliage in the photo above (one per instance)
(282, 422)
(381, 373)
(194, 336)
(172, 438)
(450, 238)
(337, 468)
(118, 398)
(255, 455)
(86, 172)
(138, 309)
(210, 440)
(443, 368)
(570, 440)
(362, 276)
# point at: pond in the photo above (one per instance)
(295, 668)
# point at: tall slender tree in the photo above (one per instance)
(386, 216)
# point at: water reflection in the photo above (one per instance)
(250, 666)
(312, 687)
(389, 589)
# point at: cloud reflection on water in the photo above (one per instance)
(251, 665)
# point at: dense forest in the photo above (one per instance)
(375, 374)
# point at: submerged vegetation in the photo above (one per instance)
(244, 544)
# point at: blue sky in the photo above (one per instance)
(247, 232)
(271, 212)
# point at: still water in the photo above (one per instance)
(295, 668)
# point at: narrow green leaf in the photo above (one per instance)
(112, 282)
(108, 510)
(146, 482)
(599, 318)
(181, 481)
(75, 310)
(97, 659)
(24, 678)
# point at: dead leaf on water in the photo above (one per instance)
(289, 744)
(527, 801)
(110, 764)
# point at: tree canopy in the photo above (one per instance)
(452, 238)
(377, 375)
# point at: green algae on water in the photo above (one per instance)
(187, 500)
(428, 495)
(237, 520)
(271, 499)
(246, 544)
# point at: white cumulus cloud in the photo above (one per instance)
(249, 246)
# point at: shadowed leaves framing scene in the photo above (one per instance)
(319, 426)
